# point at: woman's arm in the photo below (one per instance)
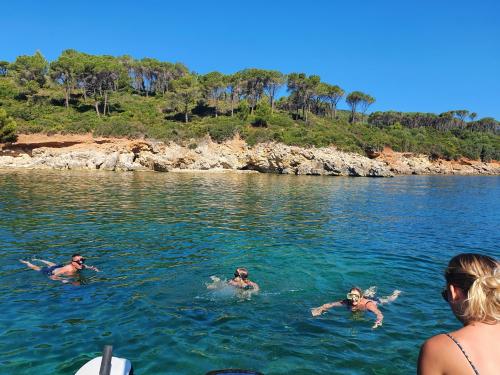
(372, 306)
(320, 310)
(254, 286)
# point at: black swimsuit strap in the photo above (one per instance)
(463, 351)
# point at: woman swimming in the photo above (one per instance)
(356, 301)
(242, 281)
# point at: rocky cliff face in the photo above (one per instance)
(74, 152)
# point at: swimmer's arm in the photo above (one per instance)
(57, 272)
(320, 310)
(254, 286)
(374, 309)
(91, 268)
(57, 278)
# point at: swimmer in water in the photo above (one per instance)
(56, 271)
(241, 280)
(356, 301)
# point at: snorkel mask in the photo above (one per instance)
(353, 296)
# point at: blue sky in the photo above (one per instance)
(429, 56)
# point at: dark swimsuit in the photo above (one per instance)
(464, 353)
(49, 270)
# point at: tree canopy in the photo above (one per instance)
(115, 94)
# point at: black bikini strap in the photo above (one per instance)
(463, 351)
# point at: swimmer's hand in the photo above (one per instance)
(377, 324)
(92, 268)
(317, 311)
(215, 283)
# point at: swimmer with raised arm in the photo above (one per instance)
(55, 271)
(356, 301)
(242, 281)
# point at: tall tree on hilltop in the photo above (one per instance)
(253, 85)
(234, 86)
(30, 71)
(331, 94)
(98, 77)
(366, 102)
(136, 73)
(358, 99)
(303, 90)
(461, 114)
(150, 68)
(274, 80)
(63, 71)
(214, 85)
(169, 72)
(186, 93)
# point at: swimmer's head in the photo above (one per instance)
(241, 272)
(355, 295)
(77, 261)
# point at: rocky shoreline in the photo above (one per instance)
(85, 152)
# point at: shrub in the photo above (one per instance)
(116, 127)
(221, 131)
(243, 110)
(7, 127)
(262, 114)
(257, 135)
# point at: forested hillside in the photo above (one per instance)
(125, 97)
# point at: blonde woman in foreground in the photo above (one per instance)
(473, 293)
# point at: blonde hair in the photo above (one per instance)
(479, 277)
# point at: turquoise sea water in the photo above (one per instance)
(159, 237)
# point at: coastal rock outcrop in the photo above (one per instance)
(71, 152)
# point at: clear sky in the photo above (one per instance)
(428, 56)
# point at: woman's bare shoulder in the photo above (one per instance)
(434, 355)
(438, 341)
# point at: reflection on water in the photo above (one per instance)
(159, 237)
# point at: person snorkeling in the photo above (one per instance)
(242, 281)
(56, 271)
(356, 301)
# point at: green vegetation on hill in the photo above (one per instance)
(123, 97)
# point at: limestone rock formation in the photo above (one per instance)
(126, 155)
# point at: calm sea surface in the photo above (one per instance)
(159, 237)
